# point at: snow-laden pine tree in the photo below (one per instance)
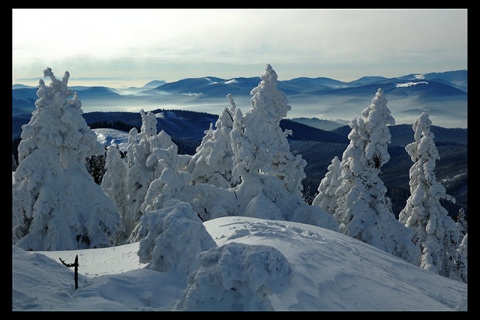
(326, 197)
(174, 182)
(211, 169)
(171, 179)
(363, 210)
(213, 161)
(114, 185)
(271, 176)
(56, 203)
(435, 232)
(142, 167)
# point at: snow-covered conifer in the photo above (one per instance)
(271, 176)
(435, 232)
(213, 161)
(170, 177)
(142, 166)
(174, 181)
(326, 197)
(113, 184)
(171, 181)
(262, 153)
(236, 139)
(363, 209)
(269, 107)
(56, 203)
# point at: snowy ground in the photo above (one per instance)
(329, 272)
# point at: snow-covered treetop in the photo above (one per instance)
(424, 151)
(58, 122)
(266, 91)
(423, 139)
(56, 85)
(378, 117)
(379, 104)
(231, 101)
(149, 124)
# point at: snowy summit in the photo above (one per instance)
(256, 264)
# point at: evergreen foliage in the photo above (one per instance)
(96, 167)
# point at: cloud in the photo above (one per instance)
(238, 36)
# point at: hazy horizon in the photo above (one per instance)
(334, 108)
(118, 83)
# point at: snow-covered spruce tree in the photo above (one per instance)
(141, 170)
(171, 179)
(435, 232)
(174, 181)
(326, 197)
(114, 185)
(363, 209)
(213, 161)
(211, 168)
(271, 176)
(56, 203)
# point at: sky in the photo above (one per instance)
(316, 270)
(130, 47)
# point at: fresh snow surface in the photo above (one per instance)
(309, 269)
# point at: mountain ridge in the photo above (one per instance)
(187, 124)
(326, 98)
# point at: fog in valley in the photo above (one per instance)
(448, 113)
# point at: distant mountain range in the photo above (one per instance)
(191, 125)
(446, 83)
(443, 94)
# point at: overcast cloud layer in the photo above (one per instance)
(172, 44)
